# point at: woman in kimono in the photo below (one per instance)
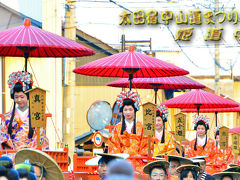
(127, 134)
(221, 158)
(16, 130)
(164, 141)
(202, 145)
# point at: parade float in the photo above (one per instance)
(101, 116)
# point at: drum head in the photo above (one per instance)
(99, 115)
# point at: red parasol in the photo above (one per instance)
(199, 99)
(233, 109)
(215, 110)
(30, 41)
(178, 82)
(130, 64)
(235, 130)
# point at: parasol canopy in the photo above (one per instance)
(235, 130)
(176, 82)
(130, 64)
(215, 110)
(199, 99)
(233, 109)
(30, 41)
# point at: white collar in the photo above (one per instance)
(22, 113)
(201, 140)
(129, 126)
(158, 134)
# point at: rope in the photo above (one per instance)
(47, 109)
(153, 98)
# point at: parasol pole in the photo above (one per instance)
(155, 87)
(155, 90)
(26, 51)
(216, 113)
(130, 78)
(130, 72)
(26, 55)
(198, 108)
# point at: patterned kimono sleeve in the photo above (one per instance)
(229, 155)
(211, 151)
(171, 145)
(4, 136)
(144, 145)
(191, 152)
(114, 142)
(44, 139)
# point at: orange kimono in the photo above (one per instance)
(220, 160)
(126, 143)
(164, 148)
(207, 151)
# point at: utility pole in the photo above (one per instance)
(69, 88)
(217, 60)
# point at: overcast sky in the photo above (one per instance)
(100, 18)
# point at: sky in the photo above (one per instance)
(100, 19)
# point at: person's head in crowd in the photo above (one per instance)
(6, 162)
(161, 118)
(120, 169)
(235, 168)
(39, 171)
(201, 162)
(103, 162)
(26, 171)
(44, 166)
(25, 175)
(175, 162)
(3, 173)
(128, 103)
(173, 165)
(157, 170)
(102, 166)
(227, 175)
(188, 172)
(13, 174)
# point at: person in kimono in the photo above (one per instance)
(128, 134)
(202, 145)
(16, 130)
(221, 158)
(164, 140)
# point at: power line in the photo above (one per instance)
(120, 6)
(179, 46)
(184, 51)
